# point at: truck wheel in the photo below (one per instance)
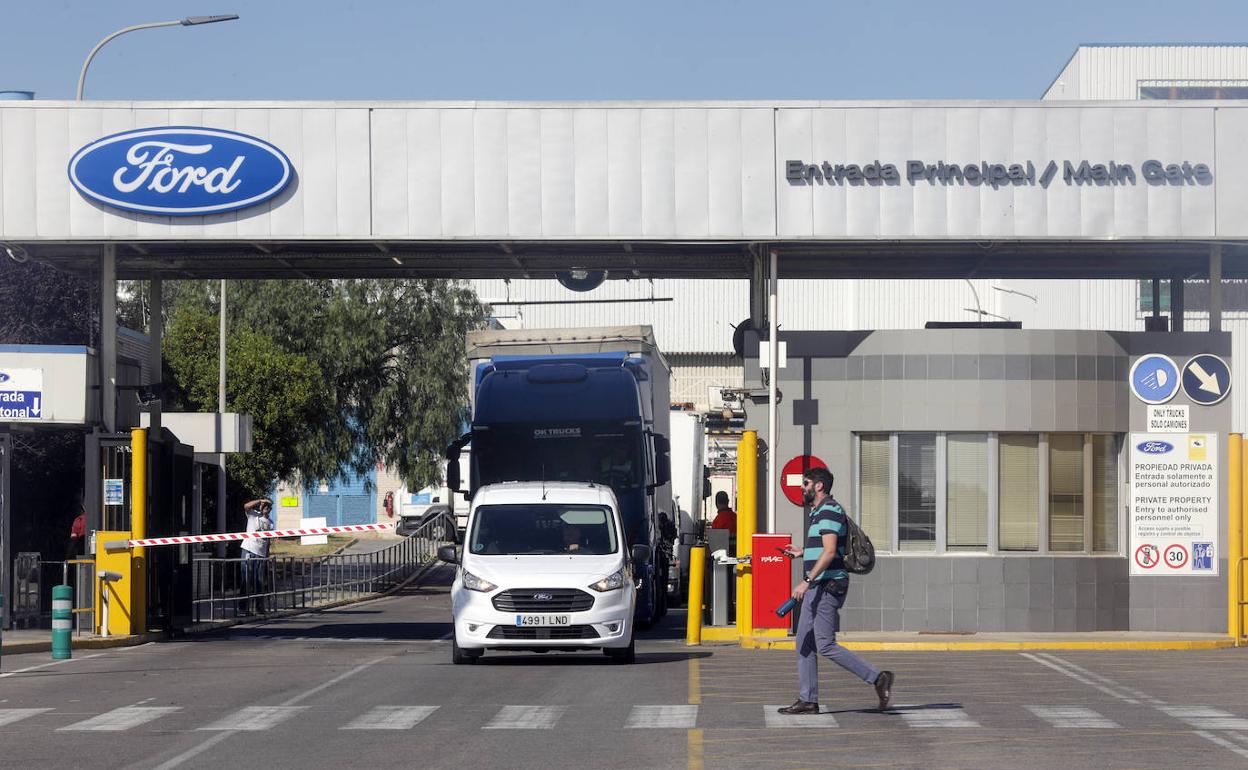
(624, 654)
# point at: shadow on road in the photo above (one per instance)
(580, 658)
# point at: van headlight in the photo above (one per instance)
(610, 582)
(474, 583)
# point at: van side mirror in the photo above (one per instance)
(448, 554)
(641, 554)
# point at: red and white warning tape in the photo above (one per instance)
(186, 539)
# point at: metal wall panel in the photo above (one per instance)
(633, 172)
(1114, 72)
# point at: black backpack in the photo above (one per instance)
(859, 553)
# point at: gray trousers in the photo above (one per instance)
(816, 635)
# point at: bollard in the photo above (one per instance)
(693, 622)
(62, 622)
(1, 625)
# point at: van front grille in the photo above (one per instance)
(543, 600)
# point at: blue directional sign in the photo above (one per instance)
(1206, 379)
(21, 394)
(1154, 379)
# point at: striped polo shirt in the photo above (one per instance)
(828, 517)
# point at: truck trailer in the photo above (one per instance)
(589, 405)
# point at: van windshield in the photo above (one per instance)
(543, 528)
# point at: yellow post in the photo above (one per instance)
(747, 525)
(1235, 551)
(1234, 517)
(693, 623)
(138, 529)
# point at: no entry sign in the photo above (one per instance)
(791, 476)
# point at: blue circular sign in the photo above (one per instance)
(1206, 379)
(1154, 378)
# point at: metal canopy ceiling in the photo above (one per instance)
(644, 259)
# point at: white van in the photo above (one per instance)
(544, 566)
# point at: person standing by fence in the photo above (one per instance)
(255, 554)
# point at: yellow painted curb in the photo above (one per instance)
(758, 643)
(719, 634)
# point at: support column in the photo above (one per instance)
(758, 290)
(221, 410)
(1176, 304)
(108, 338)
(1215, 288)
(773, 383)
(155, 356)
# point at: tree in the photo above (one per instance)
(277, 388)
(45, 306)
(390, 354)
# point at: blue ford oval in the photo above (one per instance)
(1154, 447)
(179, 171)
(3, 378)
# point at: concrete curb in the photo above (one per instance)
(1056, 644)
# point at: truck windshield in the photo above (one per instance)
(610, 456)
(543, 528)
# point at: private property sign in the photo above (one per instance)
(21, 395)
(1174, 504)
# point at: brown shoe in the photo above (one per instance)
(884, 688)
(800, 707)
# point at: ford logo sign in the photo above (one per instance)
(179, 171)
(542, 597)
(3, 378)
(1154, 447)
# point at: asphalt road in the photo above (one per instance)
(372, 686)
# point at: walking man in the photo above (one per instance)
(822, 592)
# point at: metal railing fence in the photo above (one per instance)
(238, 587)
(33, 579)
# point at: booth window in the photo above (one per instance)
(1019, 492)
(874, 499)
(916, 491)
(1065, 492)
(989, 492)
(966, 496)
(1105, 452)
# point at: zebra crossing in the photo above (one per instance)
(639, 717)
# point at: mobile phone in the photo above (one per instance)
(781, 550)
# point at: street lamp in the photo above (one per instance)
(189, 21)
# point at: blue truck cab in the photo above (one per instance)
(587, 404)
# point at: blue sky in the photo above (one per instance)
(540, 49)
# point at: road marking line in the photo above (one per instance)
(195, 751)
(1205, 718)
(391, 718)
(1195, 716)
(920, 717)
(1077, 717)
(1078, 677)
(774, 718)
(658, 717)
(255, 718)
(9, 716)
(8, 674)
(1223, 743)
(1130, 691)
(122, 718)
(526, 718)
